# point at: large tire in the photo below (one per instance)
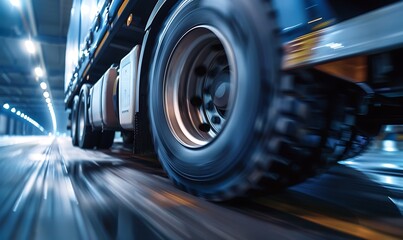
(356, 133)
(87, 138)
(362, 136)
(358, 145)
(74, 111)
(105, 139)
(225, 121)
(128, 137)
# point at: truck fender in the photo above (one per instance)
(161, 8)
(153, 27)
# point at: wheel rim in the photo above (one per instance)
(199, 86)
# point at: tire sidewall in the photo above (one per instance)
(74, 118)
(82, 103)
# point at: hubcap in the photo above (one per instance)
(199, 86)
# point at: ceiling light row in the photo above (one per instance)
(46, 95)
(16, 3)
(30, 46)
(23, 116)
(31, 49)
(39, 72)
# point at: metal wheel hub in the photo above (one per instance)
(220, 91)
(199, 86)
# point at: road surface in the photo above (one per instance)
(52, 190)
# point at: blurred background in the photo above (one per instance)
(32, 57)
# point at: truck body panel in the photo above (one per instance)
(106, 42)
(129, 86)
(73, 45)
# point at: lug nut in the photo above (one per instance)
(216, 120)
(210, 106)
(196, 101)
(204, 127)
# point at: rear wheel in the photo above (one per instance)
(362, 136)
(358, 145)
(225, 121)
(105, 139)
(74, 110)
(127, 136)
(86, 137)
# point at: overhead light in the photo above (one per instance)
(30, 46)
(18, 113)
(16, 3)
(38, 72)
(22, 115)
(6, 106)
(25, 117)
(47, 100)
(85, 9)
(43, 85)
(46, 94)
(13, 110)
(54, 122)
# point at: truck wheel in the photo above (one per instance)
(225, 121)
(358, 144)
(86, 137)
(127, 136)
(362, 136)
(74, 110)
(105, 139)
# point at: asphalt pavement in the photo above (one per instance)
(52, 190)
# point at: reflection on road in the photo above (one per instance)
(49, 190)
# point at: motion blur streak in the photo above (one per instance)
(50, 190)
(340, 225)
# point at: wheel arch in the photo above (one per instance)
(155, 22)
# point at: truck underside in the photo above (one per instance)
(236, 96)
